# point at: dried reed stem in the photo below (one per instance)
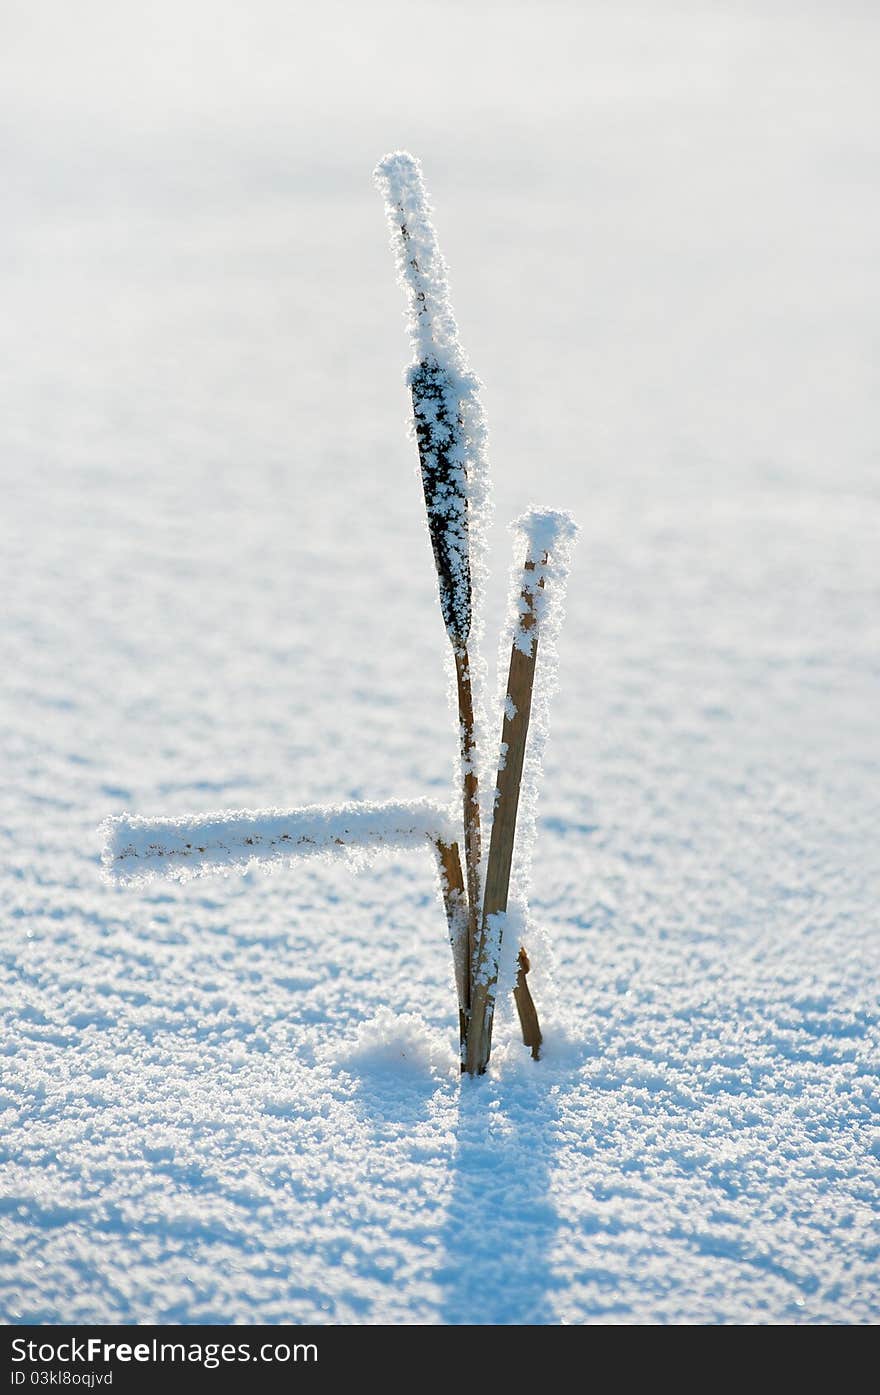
(456, 903)
(528, 1014)
(514, 733)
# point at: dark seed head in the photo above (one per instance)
(444, 478)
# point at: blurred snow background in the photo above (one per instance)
(234, 1100)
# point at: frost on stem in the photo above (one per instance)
(450, 431)
(136, 849)
(444, 480)
(421, 267)
(548, 537)
(449, 421)
(535, 613)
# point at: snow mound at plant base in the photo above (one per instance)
(397, 1045)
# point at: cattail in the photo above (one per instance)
(451, 436)
(540, 585)
(444, 480)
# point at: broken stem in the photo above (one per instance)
(525, 1006)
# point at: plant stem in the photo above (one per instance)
(455, 902)
(525, 1005)
(471, 807)
(514, 733)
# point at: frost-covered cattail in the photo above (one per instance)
(536, 613)
(444, 479)
(450, 430)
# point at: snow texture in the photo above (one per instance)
(136, 848)
(217, 594)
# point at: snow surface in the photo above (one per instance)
(238, 1098)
